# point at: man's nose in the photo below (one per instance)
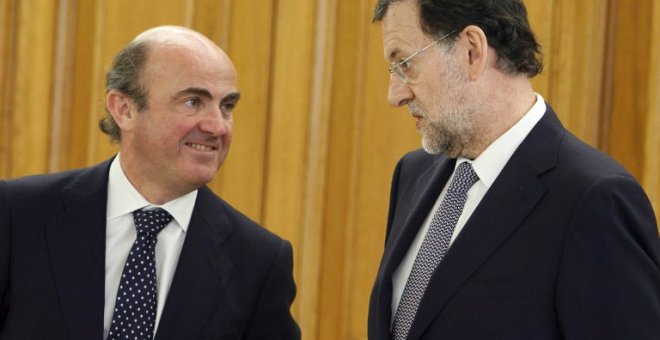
(215, 122)
(399, 93)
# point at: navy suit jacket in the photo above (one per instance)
(564, 245)
(233, 279)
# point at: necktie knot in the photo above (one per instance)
(151, 221)
(464, 178)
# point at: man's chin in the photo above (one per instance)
(431, 147)
(200, 175)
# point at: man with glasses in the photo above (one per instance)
(505, 225)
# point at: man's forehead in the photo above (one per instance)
(404, 13)
(173, 58)
(188, 62)
(400, 28)
(180, 75)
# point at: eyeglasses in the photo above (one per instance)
(404, 69)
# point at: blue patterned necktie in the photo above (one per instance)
(135, 308)
(433, 249)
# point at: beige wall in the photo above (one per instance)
(315, 141)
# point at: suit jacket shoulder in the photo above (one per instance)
(53, 274)
(234, 279)
(563, 242)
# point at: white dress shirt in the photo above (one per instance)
(123, 199)
(487, 166)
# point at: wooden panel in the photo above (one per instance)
(630, 102)
(7, 50)
(86, 98)
(31, 97)
(241, 179)
(651, 170)
(288, 122)
(541, 16)
(290, 104)
(63, 77)
(577, 53)
(349, 61)
(316, 182)
(215, 18)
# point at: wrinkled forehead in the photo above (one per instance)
(182, 60)
(401, 30)
(171, 68)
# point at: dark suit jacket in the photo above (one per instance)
(233, 280)
(564, 245)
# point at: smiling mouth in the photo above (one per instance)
(200, 147)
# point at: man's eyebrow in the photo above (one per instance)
(202, 92)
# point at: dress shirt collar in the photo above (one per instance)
(491, 162)
(123, 198)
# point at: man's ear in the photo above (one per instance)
(121, 108)
(477, 44)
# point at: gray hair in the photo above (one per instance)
(504, 22)
(125, 76)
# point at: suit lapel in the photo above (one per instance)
(511, 198)
(76, 241)
(478, 240)
(202, 272)
(428, 185)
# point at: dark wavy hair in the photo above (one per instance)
(125, 76)
(504, 22)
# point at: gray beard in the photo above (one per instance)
(449, 136)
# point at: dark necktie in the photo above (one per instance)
(135, 308)
(433, 249)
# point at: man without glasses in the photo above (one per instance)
(138, 247)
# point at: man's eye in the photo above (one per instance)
(228, 107)
(192, 102)
(404, 65)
